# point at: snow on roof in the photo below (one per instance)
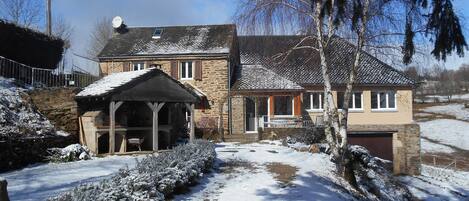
(110, 82)
(199, 39)
(257, 77)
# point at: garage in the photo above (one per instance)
(379, 144)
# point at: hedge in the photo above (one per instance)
(154, 177)
(29, 47)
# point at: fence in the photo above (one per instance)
(446, 162)
(43, 78)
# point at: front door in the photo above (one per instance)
(250, 115)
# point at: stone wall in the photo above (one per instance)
(406, 145)
(214, 82)
(237, 116)
(279, 133)
(59, 106)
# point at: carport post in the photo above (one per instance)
(113, 106)
(155, 108)
(191, 107)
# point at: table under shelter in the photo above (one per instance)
(144, 110)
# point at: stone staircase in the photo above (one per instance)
(243, 138)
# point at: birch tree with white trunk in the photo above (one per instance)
(364, 23)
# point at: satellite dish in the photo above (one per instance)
(117, 22)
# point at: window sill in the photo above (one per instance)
(187, 78)
(383, 110)
(284, 116)
(356, 111)
(315, 110)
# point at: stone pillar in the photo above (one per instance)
(3, 190)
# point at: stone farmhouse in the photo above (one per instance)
(243, 88)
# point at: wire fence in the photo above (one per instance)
(43, 78)
(446, 162)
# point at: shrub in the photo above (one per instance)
(374, 180)
(70, 153)
(153, 178)
(310, 136)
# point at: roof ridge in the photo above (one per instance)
(172, 26)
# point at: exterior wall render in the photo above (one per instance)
(402, 114)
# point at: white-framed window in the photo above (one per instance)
(138, 66)
(283, 105)
(186, 70)
(383, 100)
(313, 100)
(356, 102)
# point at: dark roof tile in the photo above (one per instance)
(201, 39)
(303, 66)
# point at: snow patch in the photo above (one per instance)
(446, 132)
(18, 117)
(110, 82)
(438, 184)
(456, 110)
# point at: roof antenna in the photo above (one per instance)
(118, 25)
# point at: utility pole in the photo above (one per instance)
(49, 17)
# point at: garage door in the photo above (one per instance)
(379, 144)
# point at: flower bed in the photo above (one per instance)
(154, 177)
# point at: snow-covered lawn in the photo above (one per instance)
(245, 173)
(433, 98)
(439, 184)
(45, 180)
(447, 132)
(456, 110)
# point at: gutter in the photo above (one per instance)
(165, 56)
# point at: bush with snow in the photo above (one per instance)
(311, 135)
(153, 178)
(70, 153)
(373, 179)
(18, 117)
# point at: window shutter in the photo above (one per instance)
(174, 69)
(198, 70)
(297, 105)
(126, 66)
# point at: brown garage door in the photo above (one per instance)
(379, 144)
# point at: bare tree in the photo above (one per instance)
(362, 22)
(101, 33)
(27, 13)
(62, 29)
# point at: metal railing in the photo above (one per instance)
(266, 121)
(43, 78)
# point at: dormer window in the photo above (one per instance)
(157, 33)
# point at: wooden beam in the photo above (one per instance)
(155, 107)
(192, 132)
(113, 106)
(158, 108)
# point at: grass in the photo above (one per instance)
(283, 173)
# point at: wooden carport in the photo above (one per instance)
(151, 86)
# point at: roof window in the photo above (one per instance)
(157, 33)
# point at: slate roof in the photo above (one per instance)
(199, 39)
(118, 82)
(303, 66)
(257, 77)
